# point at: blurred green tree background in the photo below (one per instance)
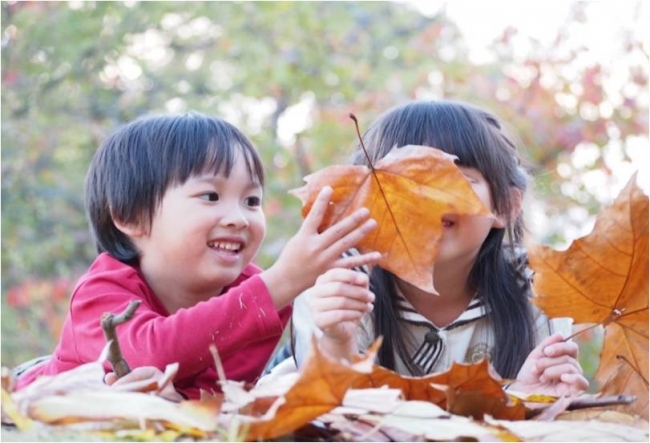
(287, 74)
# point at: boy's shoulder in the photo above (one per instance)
(107, 271)
(107, 264)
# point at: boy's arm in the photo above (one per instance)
(242, 316)
(310, 253)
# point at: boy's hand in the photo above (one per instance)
(144, 379)
(309, 254)
(552, 368)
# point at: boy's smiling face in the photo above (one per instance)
(202, 236)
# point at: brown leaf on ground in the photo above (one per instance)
(475, 390)
(413, 388)
(320, 388)
(605, 416)
(407, 193)
(603, 278)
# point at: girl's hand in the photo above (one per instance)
(338, 301)
(144, 379)
(310, 253)
(552, 368)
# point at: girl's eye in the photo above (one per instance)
(253, 201)
(210, 196)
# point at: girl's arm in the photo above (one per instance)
(552, 368)
(338, 301)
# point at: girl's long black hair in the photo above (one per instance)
(476, 138)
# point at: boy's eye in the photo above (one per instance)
(253, 201)
(210, 196)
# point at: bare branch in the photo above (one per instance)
(109, 322)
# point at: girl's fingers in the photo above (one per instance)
(329, 319)
(555, 372)
(545, 364)
(356, 261)
(342, 275)
(359, 303)
(318, 210)
(334, 295)
(577, 382)
(561, 348)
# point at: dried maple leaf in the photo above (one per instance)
(321, 387)
(475, 390)
(407, 192)
(603, 278)
(469, 389)
(413, 388)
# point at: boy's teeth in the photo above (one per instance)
(228, 246)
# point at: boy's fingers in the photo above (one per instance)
(348, 226)
(318, 209)
(342, 241)
(110, 378)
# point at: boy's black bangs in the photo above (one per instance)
(212, 148)
(220, 159)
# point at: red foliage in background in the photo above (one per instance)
(42, 300)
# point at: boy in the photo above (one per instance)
(174, 203)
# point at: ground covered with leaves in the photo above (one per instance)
(326, 401)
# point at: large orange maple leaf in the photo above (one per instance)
(407, 192)
(603, 278)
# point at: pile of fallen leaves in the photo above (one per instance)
(601, 279)
(326, 400)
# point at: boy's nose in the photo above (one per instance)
(234, 217)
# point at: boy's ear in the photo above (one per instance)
(131, 229)
(517, 199)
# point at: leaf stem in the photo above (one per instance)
(575, 334)
(363, 146)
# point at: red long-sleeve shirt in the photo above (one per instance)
(242, 322)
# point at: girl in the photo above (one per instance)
(175, 206)
(484, 307)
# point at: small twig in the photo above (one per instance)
(221, 373)
(611, 400)
(571, 404)
(109, 322)
(575, 334)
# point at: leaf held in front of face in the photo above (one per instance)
(408, 192)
